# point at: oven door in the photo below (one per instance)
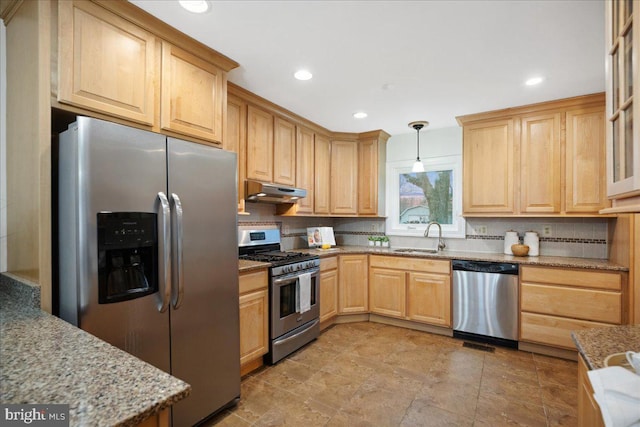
(284, 316)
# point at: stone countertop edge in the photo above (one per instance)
(246, 266)
(543, 261)
(597, 343)
(45, 360)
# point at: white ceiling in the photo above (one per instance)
(401, 61)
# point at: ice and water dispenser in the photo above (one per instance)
(127, 256)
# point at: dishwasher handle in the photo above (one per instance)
(485, 267)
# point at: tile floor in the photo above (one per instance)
(369, 374)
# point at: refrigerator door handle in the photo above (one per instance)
(179, 259)
(165, 249)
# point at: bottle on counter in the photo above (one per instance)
(510, 238)
(532, 240)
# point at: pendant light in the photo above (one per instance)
(418, 166)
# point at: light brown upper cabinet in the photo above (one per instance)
(543, 159)
(259, 144)
(488, 167)
(368, 177)
(622, 35)
(372, 158)
(305, 153)
(105, 63)
(540, 151)
(344, 177)
(322, 179)
(585, 161)
(193, 95)
(236, 139)
(284, 152)
(114, 61)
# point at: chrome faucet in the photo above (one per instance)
(441, 244)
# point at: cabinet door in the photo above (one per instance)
(322, 160)
(193, 95)
(305, 168)
(368, 177)
(540, 164)
(284, 152)
(328, 294)
(259, 144)
(387, 292)
(235, 139)
(105, 63)
(488, 167)
(353, 284)
(254, 322)
(344, 177)
(589, 414)
(430, 298)
(585, 161)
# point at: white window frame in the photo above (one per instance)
(394, 169)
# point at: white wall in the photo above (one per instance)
(3, 150)
(433, 143)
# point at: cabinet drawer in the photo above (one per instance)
(578, 278)
(552, 330)
(587, 304)
(253, 281)
(330, 263)
(414, 264)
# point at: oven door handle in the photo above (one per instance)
(314, 273)
(292, 337)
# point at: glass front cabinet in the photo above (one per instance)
(623, 138)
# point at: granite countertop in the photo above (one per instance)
(45, 360)
(547, 261)
(598, 343)
(246, 265)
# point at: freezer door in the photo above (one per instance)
(106, 167)
(205, 346)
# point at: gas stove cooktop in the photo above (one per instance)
(277, 258)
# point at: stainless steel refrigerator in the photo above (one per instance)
(148, 254)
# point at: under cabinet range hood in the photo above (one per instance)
(256, 191)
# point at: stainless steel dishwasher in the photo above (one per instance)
(485, 302)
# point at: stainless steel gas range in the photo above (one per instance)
(294, 291)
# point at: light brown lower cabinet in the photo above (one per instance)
(161, 419)
(556, 301)
(353, 286)
(410, 288)
(589, 414)
(254, 319)
(328, 288)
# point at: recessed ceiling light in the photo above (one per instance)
(303, 75)
(195, 6)
(360, 115)
(534, 81)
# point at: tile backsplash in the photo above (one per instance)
(569, 237)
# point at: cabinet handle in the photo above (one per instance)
(179, 259)
(165, 250)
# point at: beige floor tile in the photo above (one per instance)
(494, 410)
(565, 375)
(451, 396)
(560, 418)
(511, 388)
(560, 397)
(369, 374)
(421, 414)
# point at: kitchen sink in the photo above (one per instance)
(417, 251)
